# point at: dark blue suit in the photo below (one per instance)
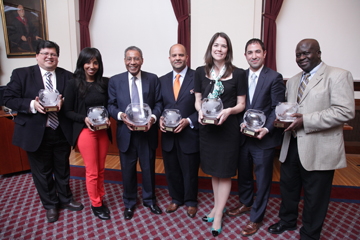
(48, 150)
(181, 150)
(269, 91)
(133, 144)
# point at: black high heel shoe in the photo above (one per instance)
(207, 219)
(214, 232)
(105, 208)
(100, 213)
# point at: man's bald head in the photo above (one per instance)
(178, 57)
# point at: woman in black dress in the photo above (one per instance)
(219, 142)
(89, 89)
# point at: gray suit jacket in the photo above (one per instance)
(327, 103)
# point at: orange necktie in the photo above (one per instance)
(177, 86)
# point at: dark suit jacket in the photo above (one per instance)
(23, 87)
(119, 99)
(17, 29)
(75, 109)
(188, 138)
(269, 91)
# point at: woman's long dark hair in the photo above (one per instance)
(209, 61)
(85, 56)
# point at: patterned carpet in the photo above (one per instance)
(22, 217)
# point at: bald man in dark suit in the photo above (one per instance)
(180, 148)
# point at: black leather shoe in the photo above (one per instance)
(100, 213)
(73, 206)
(128, 213)
(52, 215)
(105, 208)
(154, 208)
(279, 228)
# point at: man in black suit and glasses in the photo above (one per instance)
(46, 137)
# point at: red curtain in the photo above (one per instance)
(181, 9)
(272, 9)
(85, 12)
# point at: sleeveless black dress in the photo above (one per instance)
(219, 145)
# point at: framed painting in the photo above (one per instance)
(24, 24)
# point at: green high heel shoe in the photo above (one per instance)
(214, 232)
(207, 219)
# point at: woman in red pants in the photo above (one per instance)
(89, 89)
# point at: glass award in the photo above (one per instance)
(139, 115)
(211, 107)
(98, 117)
(253, 119)
(49, 99)
(172, 118)
(283, 112)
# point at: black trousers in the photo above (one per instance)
(252, 158)
(51, 170)
(317, 188)
(181, 172)
(139, 148)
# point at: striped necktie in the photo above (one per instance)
(53, 118)
(302, 86)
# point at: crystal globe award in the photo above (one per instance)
(211, 107)
(139, 115)
(49, 99)
(253, 119)
(283, 112)
(172, 118)
(98, 117)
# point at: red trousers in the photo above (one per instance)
(93, 147)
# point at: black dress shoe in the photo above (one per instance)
(100, 213)
(73, 206)
(279, 228)
(52, 215)
(106, 209)
(154, 208)
(128, 213)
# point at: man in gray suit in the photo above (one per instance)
(313, 145)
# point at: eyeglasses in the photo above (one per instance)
(47, 54)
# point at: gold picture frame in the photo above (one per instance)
(24, 23)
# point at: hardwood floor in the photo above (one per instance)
(349, 176)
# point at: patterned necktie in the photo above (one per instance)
(53, 118)
(302, 86)
(134, 92)
(177, 86)
(252, 86)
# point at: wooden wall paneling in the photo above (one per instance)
(12, 159)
